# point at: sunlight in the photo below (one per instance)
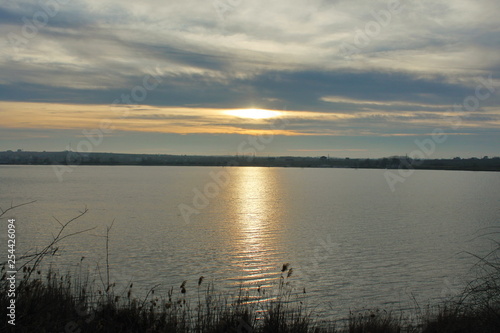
(253, 113)
(256, 245)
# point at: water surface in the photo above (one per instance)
(351, 241)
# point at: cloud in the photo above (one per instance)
(328, 150)
(185, 120)
(255, 39)
(403, 77)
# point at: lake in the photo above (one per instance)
(351, 241)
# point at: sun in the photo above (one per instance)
(253, 113)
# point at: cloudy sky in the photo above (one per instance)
(362, 78)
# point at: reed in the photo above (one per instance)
(477, 308)
(48, 301)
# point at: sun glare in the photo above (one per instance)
(253, 113)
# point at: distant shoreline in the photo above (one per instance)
(117, 159)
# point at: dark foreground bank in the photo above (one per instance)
(60, 303)
(34, 300)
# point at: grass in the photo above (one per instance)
(60, 303)
(477, 308)
(375, 322)
(54, 302)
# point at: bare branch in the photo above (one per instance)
(75, 233)
(39, 256)
(55, 218)
(14, 207)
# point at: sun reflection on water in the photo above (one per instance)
(257, 219)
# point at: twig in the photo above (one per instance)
(39, 256)
(3, 212)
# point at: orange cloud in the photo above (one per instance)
(134, 118)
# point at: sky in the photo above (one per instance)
(363, 78)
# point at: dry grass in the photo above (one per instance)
(51, 302)
(60, 303)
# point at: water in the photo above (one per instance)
(351, 241)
